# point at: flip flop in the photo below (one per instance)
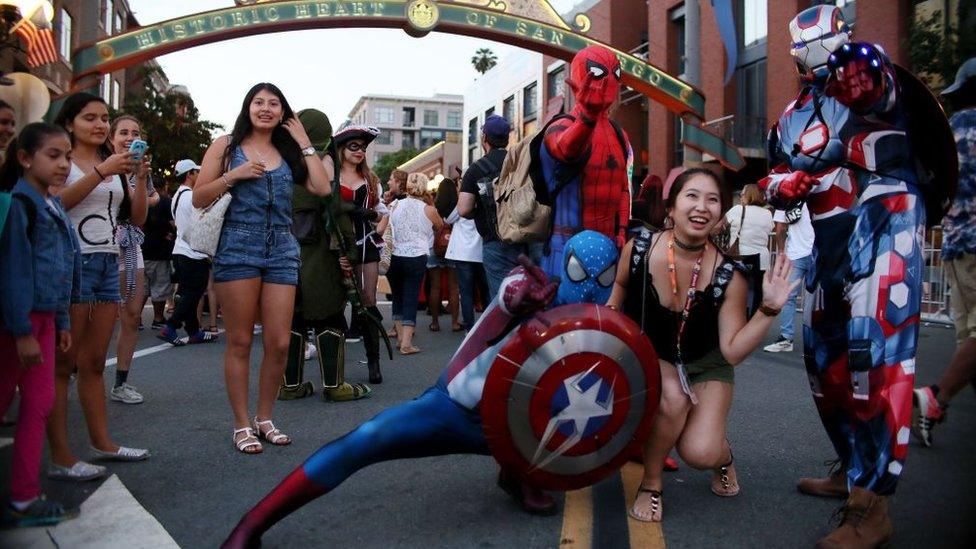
(411, 350)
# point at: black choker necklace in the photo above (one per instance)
(689, 247)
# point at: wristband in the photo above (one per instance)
(769, 311)
(227, 183)
(97, 172)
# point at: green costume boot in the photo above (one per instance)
(293, 386)
(331, 344)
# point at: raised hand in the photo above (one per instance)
(776, 283)
(117, 164)
(297, 132)
(526, 289)
(249, 170)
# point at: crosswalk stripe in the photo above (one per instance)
(642, 534)
(577, 520)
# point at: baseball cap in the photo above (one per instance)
(966, 71)
(496, 126)
(186, 165)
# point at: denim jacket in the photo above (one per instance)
(49, 262)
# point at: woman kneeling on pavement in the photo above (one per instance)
(690, 300)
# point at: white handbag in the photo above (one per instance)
(203, 234)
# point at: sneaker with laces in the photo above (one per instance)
(782, 345)
(126, 394)
(930, 413)
(79, 472)
(40, 512)
(170, 336)
(202, 337)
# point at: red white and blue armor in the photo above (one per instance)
(842, 147)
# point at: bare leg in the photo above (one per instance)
(91, 369)
(277, 307)
(668, 425)
(961, 371)
(406, 336)
(240, 299)
(130, 314)
(703, 443)
(64, 366)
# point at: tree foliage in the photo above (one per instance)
(389, 162)
(171, 125)
(483, 60)
(937, 49)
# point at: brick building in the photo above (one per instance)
(79, 22)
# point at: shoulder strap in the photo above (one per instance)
(176, 202)
(642, 243)
(620, 138)
(31, 213)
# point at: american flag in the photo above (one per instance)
(38, 37)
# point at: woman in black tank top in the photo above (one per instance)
(698, 335)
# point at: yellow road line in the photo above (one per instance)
(642, 534)
(577, 520)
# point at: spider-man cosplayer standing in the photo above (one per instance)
(587, 159)
(453, 418)
(842, 147)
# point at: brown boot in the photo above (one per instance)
(834, 486)
(865, 523)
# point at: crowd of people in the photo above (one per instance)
(96, 238)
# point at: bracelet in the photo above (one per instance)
(769, 311)
(98, 172)
(227, 183)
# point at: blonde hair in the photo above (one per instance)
(753, 196)
(417, 184)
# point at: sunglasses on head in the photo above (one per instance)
(356, 146)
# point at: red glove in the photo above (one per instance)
(593, 95)
(526, 289)
(795, 186)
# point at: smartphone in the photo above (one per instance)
(138, 149)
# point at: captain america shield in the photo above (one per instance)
(570, 396)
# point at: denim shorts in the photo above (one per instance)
(99, 279)
(248, 251)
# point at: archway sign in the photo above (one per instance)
(530, 24)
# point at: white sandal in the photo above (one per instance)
(266, 430)
(247, 444)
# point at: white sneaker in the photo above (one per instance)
(80, 471)
(782, 345)
(126, 393)
(310, 351)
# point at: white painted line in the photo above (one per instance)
(110, 518)
(151, 350)
(6, 442)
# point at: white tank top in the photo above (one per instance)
(413, 233)
(96, 216)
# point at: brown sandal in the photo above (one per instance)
(656, 505)
(725, 482)
(435, 326)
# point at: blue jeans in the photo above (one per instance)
(405, 275)
(499, 259)
(801, 267)
(99, 279)
(470, 275)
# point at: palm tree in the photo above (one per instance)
(484, 60)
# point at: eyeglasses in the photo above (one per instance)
(356, 146)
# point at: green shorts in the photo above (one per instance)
(711, 367)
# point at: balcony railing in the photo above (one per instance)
(745, 132)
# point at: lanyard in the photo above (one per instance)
(685, 313)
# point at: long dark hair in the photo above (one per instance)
(30, 140)
(679, 182)
(72, 107)
(368, 176)
(280, 138)
(447, 197)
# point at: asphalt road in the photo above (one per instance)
(197, 486)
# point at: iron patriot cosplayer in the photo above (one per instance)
(848, 148)
(560, 398)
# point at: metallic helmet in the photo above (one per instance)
(816, 33)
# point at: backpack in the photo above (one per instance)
(523, 202)
(486, 196)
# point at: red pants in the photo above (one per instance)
(36, 398)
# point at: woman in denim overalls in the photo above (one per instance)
(256, 265)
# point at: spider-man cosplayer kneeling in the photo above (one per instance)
(586, 159)
(445, 419)
(842, 147)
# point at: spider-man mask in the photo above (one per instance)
(595, 79)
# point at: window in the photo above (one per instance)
(383, 115)
(678, 28)
(489, 112)
(557, 83)
(106, 90)
(508, 108)
(530, 101)
(472, 131)
(679, 150)
(118, 22)
(429, 138)
(116, 94)
(431, 118)
(472, 151)
(753, 21)
(409, 117)
(108, 8)
(749, 130)
(66, 36)
(454, 119)
(384, 138)
(407, 142)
